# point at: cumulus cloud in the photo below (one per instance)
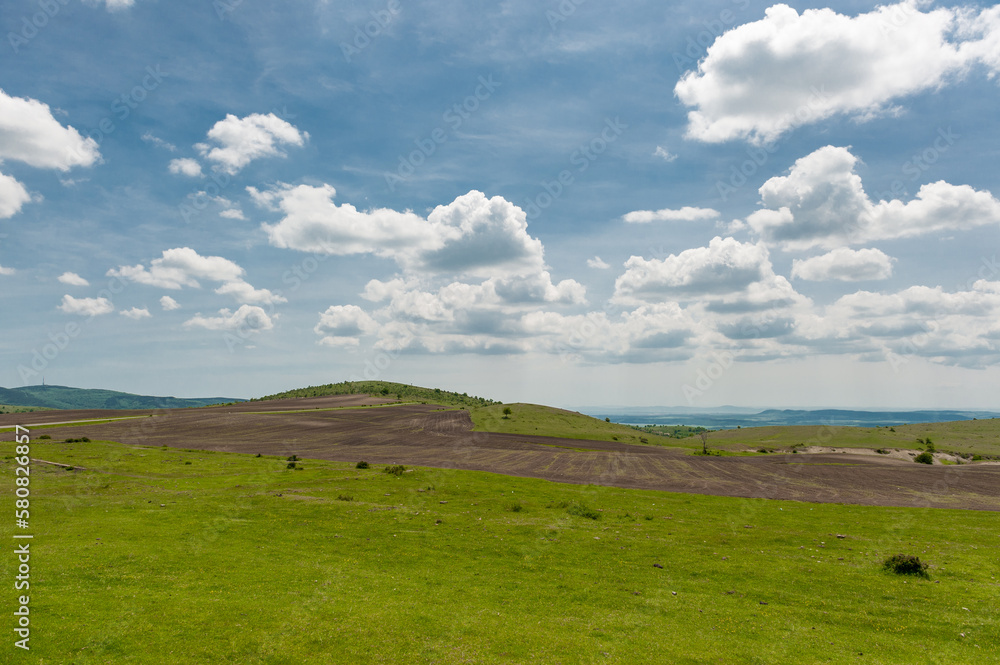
(86, 306)
(185, 166)
(725, 266)
(341, 325)
(13, 196)
(598, 263)
(183, 266)
(248, 318)
(239, 141)
(30, 134)
(821, 203)
(685, 214)
(846, 265)
(72, 279)
(764, 78)
(169, 304)
(136, 313)
(232, 213)
(6, 271)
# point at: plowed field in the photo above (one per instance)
(352, 427)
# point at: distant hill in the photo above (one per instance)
(401, 391)
(64, 397)
(726, 419)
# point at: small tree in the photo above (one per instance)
(506, 412)
(704, 442)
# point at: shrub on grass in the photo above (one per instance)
(394, 470)
(293, 458)
(44, 436)
(924, 458)
(345, 497)
(906, 564)
(882, 451)
(581, 510)
(515, 507)
(362, 465)
(291, 465)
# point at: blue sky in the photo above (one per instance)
(572, 203)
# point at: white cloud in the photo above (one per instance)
(86, 306)
(598, 263)
(764, 78)
(341, 325)
(73, 279)
(846, 265)
(180, 267)
(472, 235)
(725, 266)
(664, 154)
(685, 214)
(183, 266)
(113, 5)
(248, 318)
(246, 293)
(148, 137)
(169, 304)
(185, 166)
(6, 271)
(242, 140)
(821, 203)
(136, 313)
(13, 196)
(232, 213)
(30, 134)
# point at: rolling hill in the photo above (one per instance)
(65, 397)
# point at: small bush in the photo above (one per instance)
(293, 458)
(345, 497)
(394, 470)
(291, 465)
(906, 564)
(930, 445)
(762, 450)
(515, 507)
(882, 451)
(892, 429)
(976, 458)
(558, 504)
(44, 436)
(257, 455)
(581, 510)
(187, 462)
(362, 465)
(643, 439)
(924, 458)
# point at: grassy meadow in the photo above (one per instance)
(159, 555)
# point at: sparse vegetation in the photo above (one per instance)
(398, 391)
(580, 510)
(924, 458)
(394, 470)
(906, 564)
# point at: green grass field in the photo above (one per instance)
(965, 436)
(157, 555)
(549, 421)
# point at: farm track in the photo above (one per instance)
(426, 435)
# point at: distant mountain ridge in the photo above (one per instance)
(65, 397)
(725, 418)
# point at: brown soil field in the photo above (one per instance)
(433, 436)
